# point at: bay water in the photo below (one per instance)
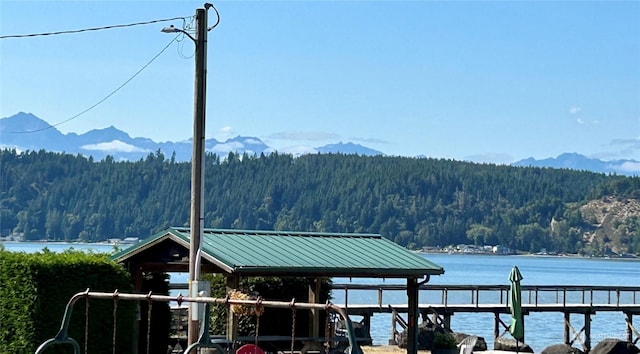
(31, 247)
(542, 329)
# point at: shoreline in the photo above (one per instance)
(534, 255)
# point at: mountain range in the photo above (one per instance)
(579, 162)
(25, 131)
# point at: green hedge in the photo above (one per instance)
(158, 284)
(34, 291)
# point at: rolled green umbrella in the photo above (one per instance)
(516, 327)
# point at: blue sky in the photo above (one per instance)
(485, 81)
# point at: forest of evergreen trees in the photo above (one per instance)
(414, 202)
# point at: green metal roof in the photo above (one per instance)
(286, 253)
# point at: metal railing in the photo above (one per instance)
(62, 337)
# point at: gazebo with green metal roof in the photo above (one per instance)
(250, 253)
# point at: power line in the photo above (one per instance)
(92, 29)
(107, 96)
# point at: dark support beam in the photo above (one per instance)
(233, 282)
(137, 275)
(629, 320)
(567, 322)
(496, 326)
(314, 297)
(631, 331)
(366, 323)
(447, 321)
(412, 317)
(587, 332)
(136, 270)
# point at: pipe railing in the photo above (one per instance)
(62, 337)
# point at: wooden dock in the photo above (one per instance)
(446, 300)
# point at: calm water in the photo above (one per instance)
(542, 329)
(31, 247)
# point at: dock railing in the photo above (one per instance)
(494, 295)
(437, 303)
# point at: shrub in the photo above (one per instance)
(35, 289)
(444, 340)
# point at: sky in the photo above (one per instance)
(482, 81)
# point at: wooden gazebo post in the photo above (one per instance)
(233, 282)
(412, 316)
(314, 296)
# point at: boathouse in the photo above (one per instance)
(250, 253)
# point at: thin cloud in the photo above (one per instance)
(253, 141)
(298, 150)
(370, 140)
(224, 133)
(580, 121)
(618, 149)
(304, 135)
(575, 109)
(627, 143)
(227, 147)
(627, 167)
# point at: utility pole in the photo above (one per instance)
(197, 170)
(197, 167)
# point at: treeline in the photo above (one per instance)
(413, 201)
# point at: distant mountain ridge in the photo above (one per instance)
(25, 131)
(579, 162)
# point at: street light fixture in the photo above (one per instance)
(197, 160)
(173, 29)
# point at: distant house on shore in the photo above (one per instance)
(499, 249)
(125, 241)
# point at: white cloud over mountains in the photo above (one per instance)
(224, 149)
(114, 146)
(224, 133)
(298, 150)
(627, 167)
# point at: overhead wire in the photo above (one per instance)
(107, 96)
(180, 47)
(217, 20)
(91, 29)
(177, 38)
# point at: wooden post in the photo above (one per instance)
(587, 332)
(314, 296)
(392, 340)
(412, 316)
(233, 281)
(137, 275)
(629, 320)
(567, 321)
(366, 322)
(496, 326)
(446, 321)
